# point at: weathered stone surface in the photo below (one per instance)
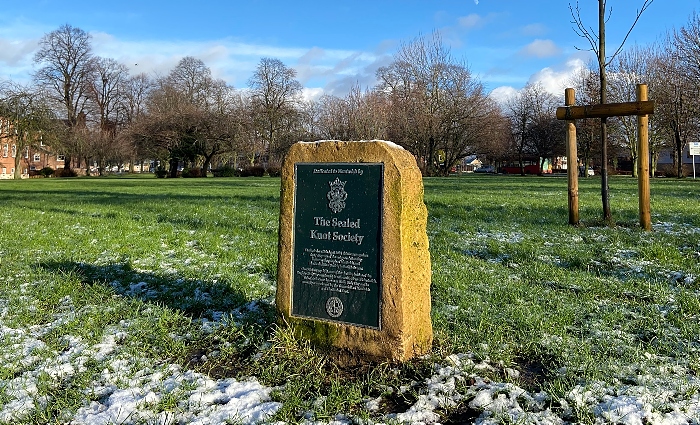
(405, 329)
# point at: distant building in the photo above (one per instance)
(469, 164)
(666, 160)
(32, 159)
(665, 165)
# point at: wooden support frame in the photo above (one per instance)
(641, 108)
(607, 110)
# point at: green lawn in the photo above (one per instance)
(182, 272)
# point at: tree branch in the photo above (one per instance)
(582, 31)
(644, 7)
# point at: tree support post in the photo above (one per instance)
(571, 160)
(643, 162)
(642, 108)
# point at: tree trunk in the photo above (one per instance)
(604, 189)
(174, 162)
(679, 153)
(18, 165)
(520, 162)
(206, 164)
(654, 162)
(66, 163)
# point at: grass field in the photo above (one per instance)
(140, 300)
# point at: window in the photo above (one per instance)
(26, 153)
(5, 149)
(12, 170)
(37, 157)
(60, 157)
(4, 170)
(14, 151)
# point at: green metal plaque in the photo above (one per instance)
(337, 242)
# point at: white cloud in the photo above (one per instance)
(471, 21)
(556, 80)
(502, 94)
(16, 52)
(18, 43)
(552, 79)
(540, 49)
(312, 93)
(533, 30)
(229, 58)
(232, 60)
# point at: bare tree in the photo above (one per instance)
(629, 68)
(106, 91)
(192, 79)
(597, 43)
(586, 84)
(682, 87)
(358, 116)
(223, 125)
(544, 137)
(250, 145)
(275, 94)
(367, 113)
(435, 105)
(686, 42)
(136, 91)
(133, 100)
(528, 111)
(166, 131)
(191, 118)
(66, 63)
(498, 143)
(30, 121)
(334, 118)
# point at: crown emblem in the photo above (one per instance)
(337, 195)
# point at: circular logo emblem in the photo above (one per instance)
(334, 307)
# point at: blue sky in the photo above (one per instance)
(334, 45)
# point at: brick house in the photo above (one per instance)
(32, 159)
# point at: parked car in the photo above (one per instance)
(485, 169)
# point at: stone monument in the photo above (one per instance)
(354, 266)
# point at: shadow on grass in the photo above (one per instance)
(505, 214)
(231, 322)
(194, 298)
(249, 344)
(112, 198)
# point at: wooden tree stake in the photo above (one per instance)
(571, 159)
(643, 162)
(642, 108)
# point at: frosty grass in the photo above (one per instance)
(118, 297)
